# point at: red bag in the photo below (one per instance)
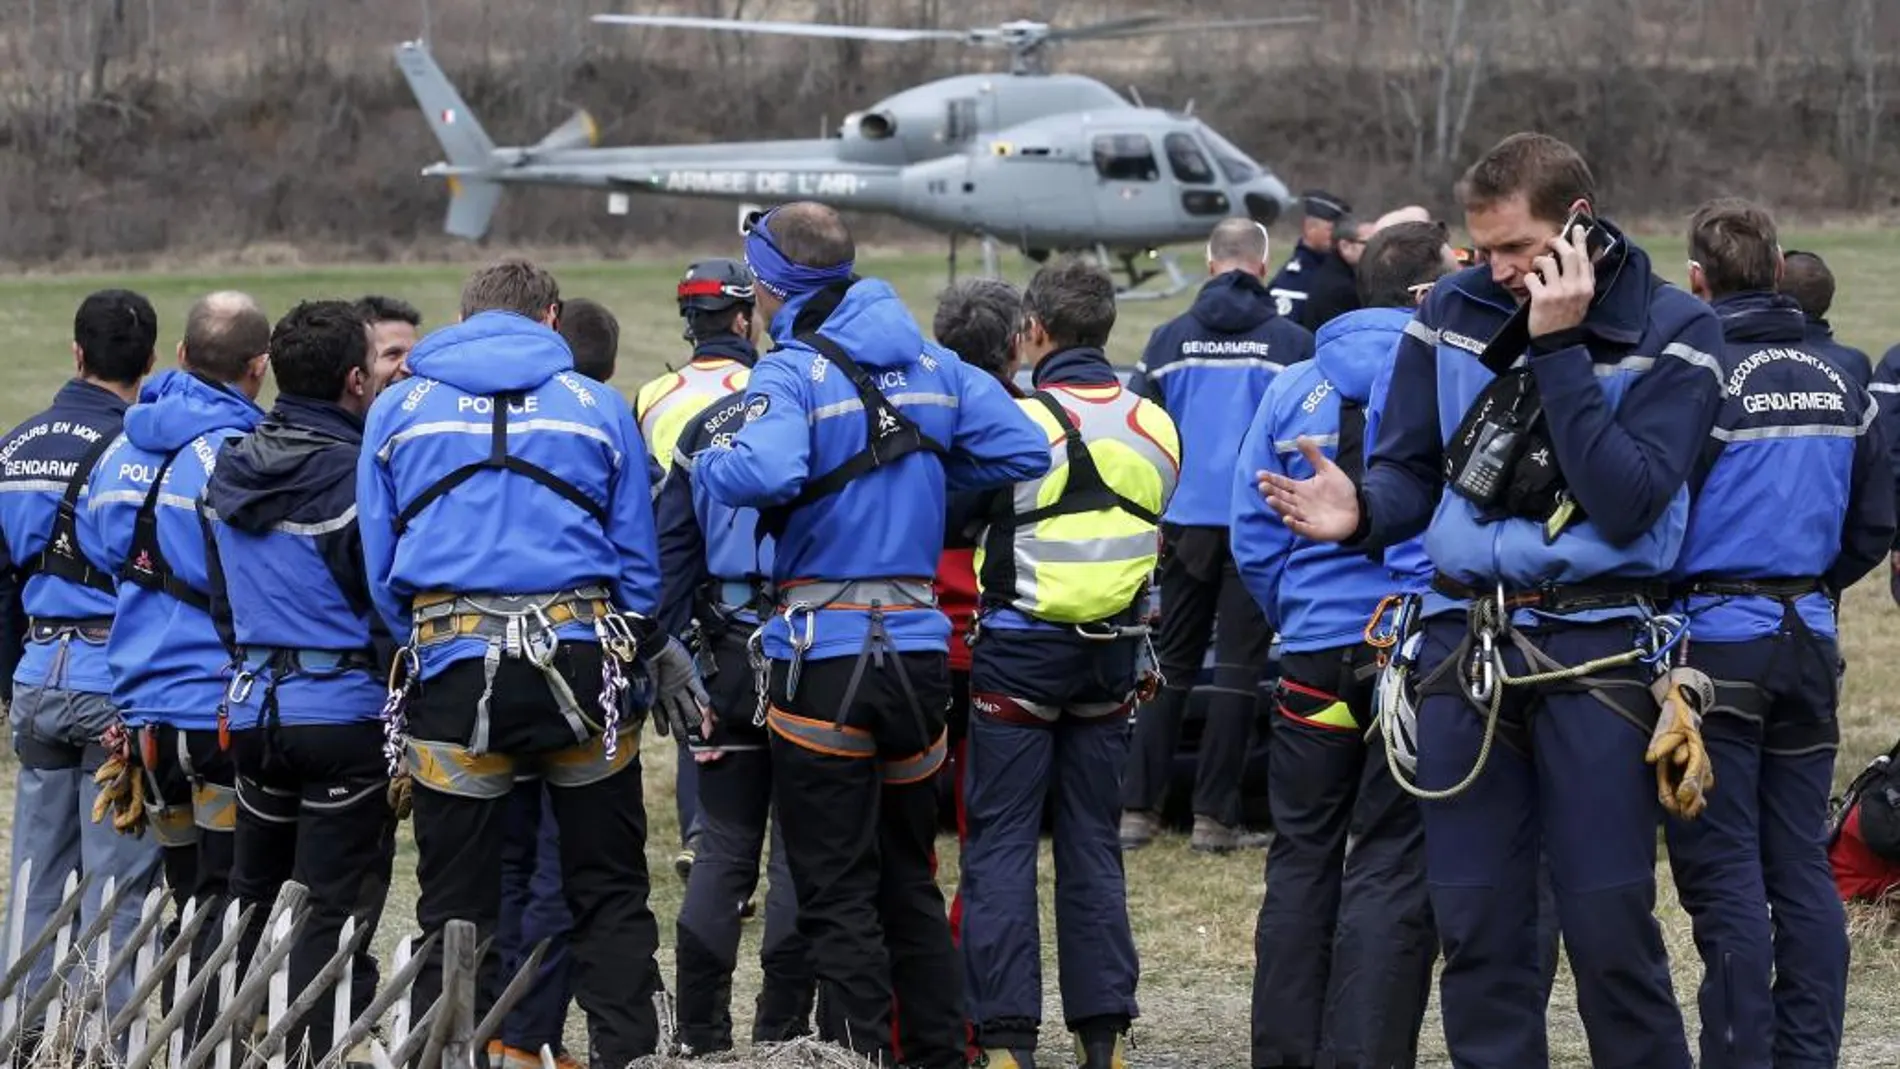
(1866, 858)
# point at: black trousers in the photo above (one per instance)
(1344, 944)
(313, 807)
(200, 871)
(734, 806)
(1199, 586)
(603, 849)
(863, 858)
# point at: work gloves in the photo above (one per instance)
(1684, 776)
(678, 695)
(121, 786)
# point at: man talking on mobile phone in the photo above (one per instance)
(1546, 408)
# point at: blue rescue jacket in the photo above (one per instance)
(804, 419)
(1316, 595)
(1630, 397)
(503, 532)
(1797, 446)
(703, 541)
(1208, 369)
(38, 461)
(1818, 338)
(287, 567)
(168, 660)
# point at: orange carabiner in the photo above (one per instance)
(1384, 639)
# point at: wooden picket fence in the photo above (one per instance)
(67, 1013)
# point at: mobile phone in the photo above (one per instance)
(1597, 242)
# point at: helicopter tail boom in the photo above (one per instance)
(470, 152)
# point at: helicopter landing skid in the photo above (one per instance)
(1139, 275)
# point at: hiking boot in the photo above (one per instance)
(1002, 1058)
(683, 861)
(1099, 1052)
(1139, 828)
(1212, 837)
(516, 1058)
(1253, 840)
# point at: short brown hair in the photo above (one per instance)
(510, 286)
(224, 332)
(1549, 174)
(1397, 258)
(592, 335)
(1735, 242)
(1074, 300)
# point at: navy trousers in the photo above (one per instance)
(1344, 946)
(1048, 727)
(1567, 773)
(532, 909)
(1774, 984)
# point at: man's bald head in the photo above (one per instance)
(1237, 245)
(812, 234)
(224, 333)
(1411, 213)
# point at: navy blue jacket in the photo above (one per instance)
(287, 571)
(37, 461)
(503, 532)
(1290, 285)
(1797, 444)
(1886, 390)
(168, 659)
(1208, 369)
(1331, 292)
(1818, 337)
(703, 540)
(804, 419)
(1630, 398)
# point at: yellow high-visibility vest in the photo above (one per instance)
(663, 406)
(1053, 556)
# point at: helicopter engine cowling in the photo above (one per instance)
(876, 125)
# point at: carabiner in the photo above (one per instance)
(239, 690)
(539, 649)
(1385, 638)
(1484, 670)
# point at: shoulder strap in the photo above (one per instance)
(62, 557)
(498, 459)
(145, 563)
(1350, 454)
(1084, 491)
(889, 436)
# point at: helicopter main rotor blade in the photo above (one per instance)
(1111, 30)
(790, 29)
(1108, 29)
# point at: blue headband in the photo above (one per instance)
(781, 277)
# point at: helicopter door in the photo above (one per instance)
(1198, 194)
(1130, 196)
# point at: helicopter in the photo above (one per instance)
(1045, 162)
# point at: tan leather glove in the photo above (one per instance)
(1684, 776)
(402, 793)
(121, 794)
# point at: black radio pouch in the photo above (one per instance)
(1501, 458)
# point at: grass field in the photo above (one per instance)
(1193, 915)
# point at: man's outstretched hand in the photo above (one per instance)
(1324, 508)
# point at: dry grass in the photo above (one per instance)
(1193, 915)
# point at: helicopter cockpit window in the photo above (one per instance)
(1187, 161)
(1126, 158)
(1233, 162)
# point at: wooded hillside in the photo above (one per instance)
(134, 129)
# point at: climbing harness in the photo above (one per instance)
(1480, 661)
